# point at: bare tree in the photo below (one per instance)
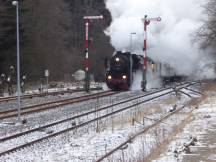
(206, 34)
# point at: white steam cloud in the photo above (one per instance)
(169, 40)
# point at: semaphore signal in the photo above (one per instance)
(146, 22)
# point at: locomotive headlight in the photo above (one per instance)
(124, 77)
(109, 77)
(117, 59)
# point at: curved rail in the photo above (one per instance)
(139, 133)
(84, 123)
(51, 105)
(12, 98)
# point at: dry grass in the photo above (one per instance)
(211, 86)
(195, 102)
(139, 112)
(157, 107)
(163, 146)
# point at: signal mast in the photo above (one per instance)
(87, 62)
(146, 22)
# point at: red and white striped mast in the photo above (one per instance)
(146, 22)
(87, 61)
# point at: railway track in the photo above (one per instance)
(26, 96)
(63, 129)
(145, 130)
(51, 105)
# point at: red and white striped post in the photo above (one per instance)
(146, 22)
(87, 61)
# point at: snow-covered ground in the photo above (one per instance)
(45, 117)
(87, 144)
(203, 127)
(40, 100)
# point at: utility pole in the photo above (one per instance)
(16, 3)
(146, 22)
(87, 62)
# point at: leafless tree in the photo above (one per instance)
(206, 34)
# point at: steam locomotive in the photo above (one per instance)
(122, 65)
(120, 69)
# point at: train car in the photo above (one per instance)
(169, 75)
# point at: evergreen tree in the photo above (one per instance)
(7, 35)
(52, 36)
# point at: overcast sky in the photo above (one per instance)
(168, 40)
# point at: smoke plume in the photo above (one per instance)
(169, 41)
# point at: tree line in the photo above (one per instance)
(206, 34)
(52, 36)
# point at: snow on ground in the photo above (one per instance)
(88, 145)
(45, 117)
(203, 127)
(40, 100)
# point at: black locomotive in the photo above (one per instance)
(120, 69)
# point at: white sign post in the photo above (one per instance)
(47, 78)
